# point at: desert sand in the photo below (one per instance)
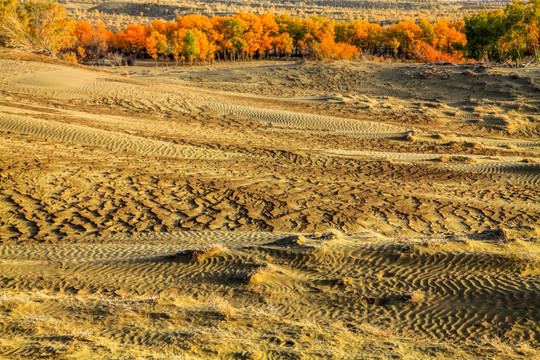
(265, 210)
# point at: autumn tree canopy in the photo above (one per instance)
(38, 26)
(41, 26)
(505, 34)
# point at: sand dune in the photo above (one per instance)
(425, 288)
(526, 173)
(463, 98)
(288, 119)
(480, 164)
(293, 210)
(51, 130)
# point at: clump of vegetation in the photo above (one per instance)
(38, 26)
(70, 56)
(196, 254)
(502, 35)
(414, 297)
(223, 307)
(521, 245)
(499, 35)
(410, 137)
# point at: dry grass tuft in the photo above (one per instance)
(373, 330)
(456, 159)
(464, 159)
(506, 349)
(524, 254)
(407, 246)
(473, 145)
(439, 136)
(197, 254)
(257, 274)
(344, 281)
(223, 307)
(444, 158)
(522, 246)
(436, 241)
(415, 297)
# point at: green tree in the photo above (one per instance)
(501, 35)
(483, 31)
(234, 35)
(190, 46)
(429, 32)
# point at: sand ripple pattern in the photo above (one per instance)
(114, 141)
(294, 120)
(363, 277)
(53, 81)
(524, 173)
(509, 166)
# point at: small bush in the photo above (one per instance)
(70, 56)
(116, 59)
(223, 307)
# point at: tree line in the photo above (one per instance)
(499, 35)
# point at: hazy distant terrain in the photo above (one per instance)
(120, 13)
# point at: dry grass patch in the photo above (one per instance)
(223, 307)
(415, 297)
(376, 331)
(198, 255)
(524, 254)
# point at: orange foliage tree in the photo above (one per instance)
(156, 45)
(132, 40)
(249, 36)
(41, 26)
(94, 41)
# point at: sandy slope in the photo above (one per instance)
(325, 295)
(437, 190)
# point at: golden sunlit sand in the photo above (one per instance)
(277, 209)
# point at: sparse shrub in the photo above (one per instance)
(409, 137)
(524, 253)
(130, 61)
(116, 59)
(70, 56)
(414, 297)
(223, 307)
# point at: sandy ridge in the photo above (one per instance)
(114, 141)
(385, 274)
(289, 119)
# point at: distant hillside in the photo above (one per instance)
(119, 13)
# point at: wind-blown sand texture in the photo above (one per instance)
(269, 210)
